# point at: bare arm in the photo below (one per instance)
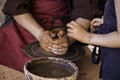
(111, 39)
(117, 8)
(27, 21)
(107, 40)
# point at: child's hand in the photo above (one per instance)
(76, 31)
(95, 23)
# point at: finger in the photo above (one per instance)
(45, 45)
(70, 34)
(45, 42)
(74, 23)
(59, 51)
(60, 34)
(65, 45)
(91, 26)
(94, 28)
(69, 30)
(45, 48)
(48, 36)
(93, 21)
(70, 25)
(46, 39)
(59, 41)
(53, 35)
(96, 24)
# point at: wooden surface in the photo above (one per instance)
(10, 74)
(88, 71)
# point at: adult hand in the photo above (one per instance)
(46, 41)
(60, 44)
(77, 32)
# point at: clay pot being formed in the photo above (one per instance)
(50, 68)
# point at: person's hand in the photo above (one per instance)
(76, 31)
(84, 22)
(46, 41)
(95, 23)
(60, 44)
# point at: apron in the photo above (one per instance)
(14, 38)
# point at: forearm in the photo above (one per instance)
(27, 22)
(107, 40)
(111, 39)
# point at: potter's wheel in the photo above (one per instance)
(75, 52)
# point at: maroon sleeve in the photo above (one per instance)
(15, 7)
(85, 9)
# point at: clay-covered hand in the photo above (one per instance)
(60, 44)
(46, 41)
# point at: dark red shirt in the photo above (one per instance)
(82, 8)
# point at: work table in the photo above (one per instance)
(10, 74)
(88, 71)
